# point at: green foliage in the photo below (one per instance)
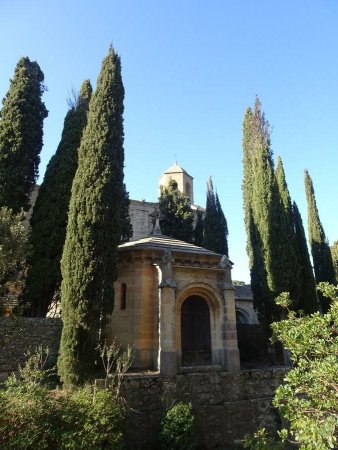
(88, 263)
(14, 244)
(50, 214)
(259, 187)
(215, 225)
(35, 370)
(308, 399)
(199, 228)
(178, 428)
(115, 362)
(31, 417)
(176, 216)
(90, 419)
(334, 254)
(261, 440)
(276, 243)
(304, 291)
(126, 227)
(321, 254)
(21, 134)
(284, 266)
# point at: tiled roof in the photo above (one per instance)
(243, 292)
(161, 242)
(175, 168)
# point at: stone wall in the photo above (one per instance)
(21, 334)
(226, 405)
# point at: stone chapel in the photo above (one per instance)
(174, 301)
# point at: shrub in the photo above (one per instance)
(178, 428)
(33, 417)
(25, 417)
(91, 419)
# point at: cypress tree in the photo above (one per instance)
(50, 213)
(199, 228)
(259, 187)
(320, 250)
(89, 258)
(126, 227)
(334, 254)
(284, 265)
(176, 216)
(210, 219)
(215, 225)
(223, 229)
(21, 134)
(305, 291)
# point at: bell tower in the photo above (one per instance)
(185, 182)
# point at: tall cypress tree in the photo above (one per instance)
(320, 250)
(215, 225)
(199, 228)
(305, 291)
(126, 227)
(284, 265)
(50, 214)
(259, 186)
(94, 226)
(21, 134)
(223, 228)
(176, 216)
(334, 254)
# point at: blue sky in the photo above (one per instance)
(190, 69)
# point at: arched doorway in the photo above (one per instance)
(195, 332)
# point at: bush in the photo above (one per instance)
(33, 417)
(90, 419)
(178, 428)
(25, 417)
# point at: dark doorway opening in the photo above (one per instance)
(195, 332)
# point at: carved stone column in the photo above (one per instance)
(229, 329)
(167, 317)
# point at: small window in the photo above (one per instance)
(174, 185)
(123, 298)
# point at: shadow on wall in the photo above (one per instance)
(254, 347)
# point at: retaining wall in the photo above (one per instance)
(226, 405)
(21, 334)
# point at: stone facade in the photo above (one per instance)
(141, 218)
(245, 312)
(226, 405)
(157, 275)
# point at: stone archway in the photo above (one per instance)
(195, 332)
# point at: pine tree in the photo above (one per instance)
(305, 291)
(94, 227)
(21, 134)
(50, 214)
(320, 250)
(176, 216)
(215, 225)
